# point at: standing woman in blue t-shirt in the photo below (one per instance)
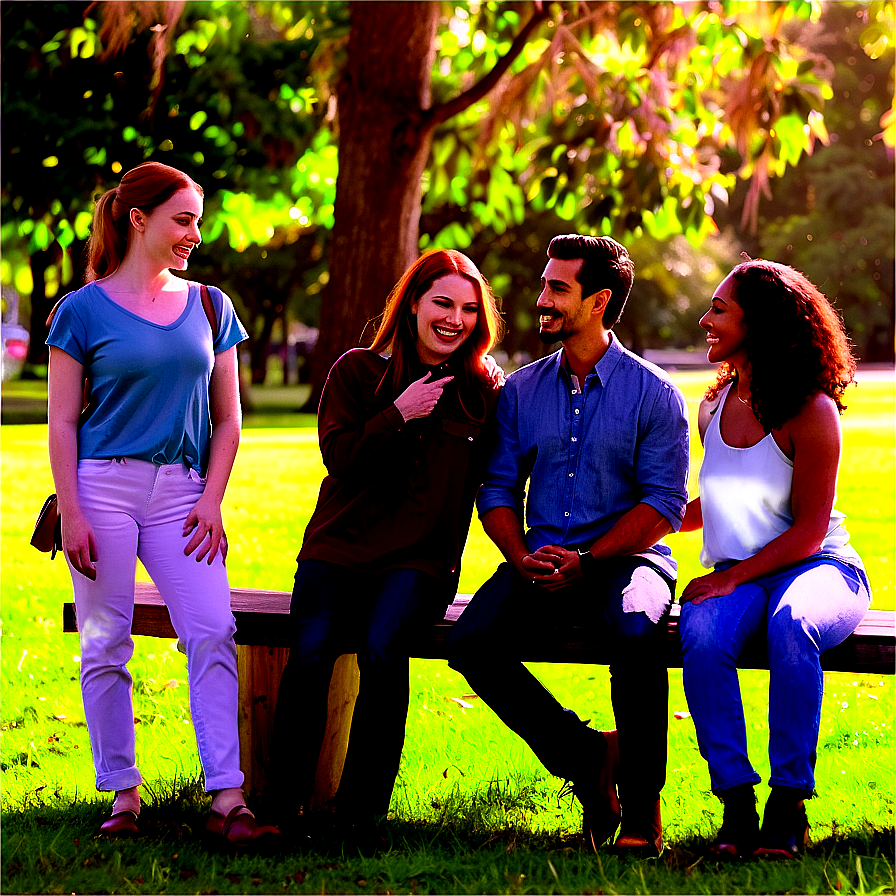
(143, 473)
(783, 567)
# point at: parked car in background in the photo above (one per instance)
(15, 349)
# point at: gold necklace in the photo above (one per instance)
(749, 404)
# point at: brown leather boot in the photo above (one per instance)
(739, 834)
(785, 826)
(642, 830)
(598, 796)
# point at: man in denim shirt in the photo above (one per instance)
(601, 438)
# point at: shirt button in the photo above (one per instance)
(575, 392)
(575, 439)
(565, 514)
(577, 410)
(571, 475)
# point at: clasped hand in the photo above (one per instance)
(552, 567)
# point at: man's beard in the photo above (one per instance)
(549, 338)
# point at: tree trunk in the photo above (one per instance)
(40, 260)
(383, 148)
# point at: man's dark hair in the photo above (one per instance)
(605, 265)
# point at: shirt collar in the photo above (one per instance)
(604, 366)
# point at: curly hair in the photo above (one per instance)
(795, 342)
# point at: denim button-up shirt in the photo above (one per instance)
(589, 454)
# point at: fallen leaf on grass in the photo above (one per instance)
(460, 702)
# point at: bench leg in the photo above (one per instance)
(260, 669)
(340, 707)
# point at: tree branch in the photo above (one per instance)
(441, 113)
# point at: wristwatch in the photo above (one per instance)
(587, 562)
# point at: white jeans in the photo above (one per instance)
(137, 509)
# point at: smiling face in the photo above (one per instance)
(561, 310)
(725, 327)
(171, 230)
(446, 315)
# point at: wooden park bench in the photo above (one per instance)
(262, 639)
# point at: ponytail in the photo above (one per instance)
(108, 240)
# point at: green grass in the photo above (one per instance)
(473, 811)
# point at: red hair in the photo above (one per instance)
(145, 187)
(397, 330)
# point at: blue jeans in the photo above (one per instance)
(506, 620)
(378, 616)
(801, 611)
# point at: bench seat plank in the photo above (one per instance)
(260, 617)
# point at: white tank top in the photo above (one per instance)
(745, 498)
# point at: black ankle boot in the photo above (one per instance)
(739, 835)
(785, 827)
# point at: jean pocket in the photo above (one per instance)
(96, 464)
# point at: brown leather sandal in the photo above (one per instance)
(120, 824)
(239, 827)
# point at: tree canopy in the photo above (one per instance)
(335, 140)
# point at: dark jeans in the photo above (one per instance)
(507, 615)
(337, 610)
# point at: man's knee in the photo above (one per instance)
(484, 620)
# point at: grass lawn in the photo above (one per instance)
(473, 811)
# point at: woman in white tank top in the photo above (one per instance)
(781, 559)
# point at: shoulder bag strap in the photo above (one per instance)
(209, 309)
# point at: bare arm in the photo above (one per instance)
(504, 527)
(205, 518)
(693, 515)
(635, 531)
(816, 439)
(66, 396)
(553, 566)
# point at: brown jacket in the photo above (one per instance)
(397, 495)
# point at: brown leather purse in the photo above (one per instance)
(47, 535)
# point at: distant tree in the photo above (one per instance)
(231, 106)
(832, 216)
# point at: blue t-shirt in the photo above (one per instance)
(149, 383)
